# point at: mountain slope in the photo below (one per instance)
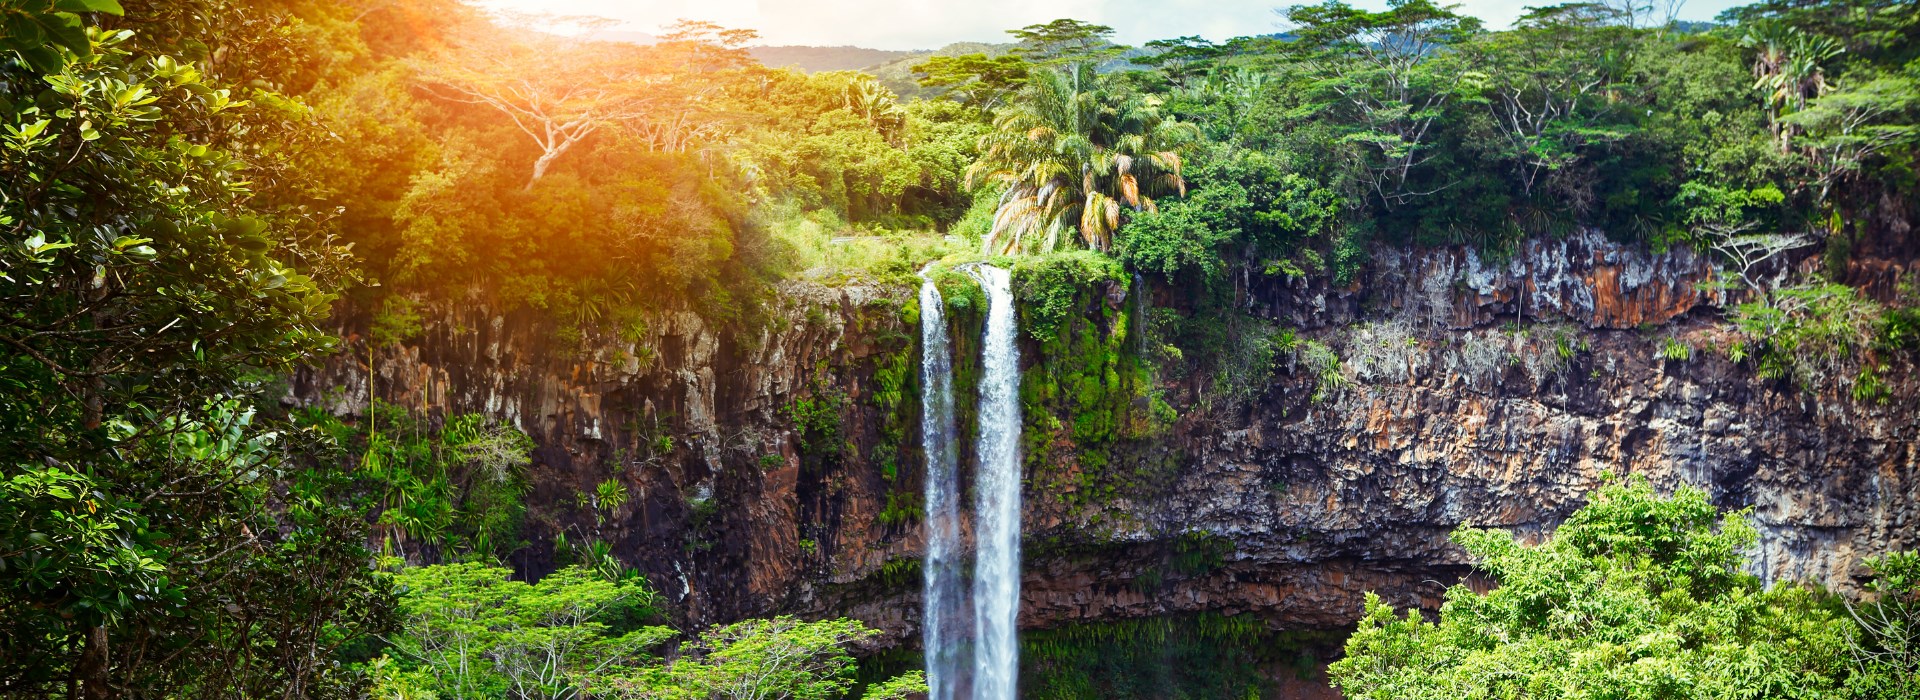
(816, 59)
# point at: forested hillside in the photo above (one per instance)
(813, 59)
(380, 348)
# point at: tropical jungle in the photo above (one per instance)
(430, 350)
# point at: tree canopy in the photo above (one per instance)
(196, 195)
(1636, 595)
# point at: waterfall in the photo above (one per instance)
(944, 604)
(996, 579)
(1139, 329)
(996, 503)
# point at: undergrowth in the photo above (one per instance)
(437, 493)
(1822, 335)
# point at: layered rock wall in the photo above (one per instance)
(1478, 392)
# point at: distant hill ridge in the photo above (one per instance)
(894, 68)
(897, 74)
(818, 59)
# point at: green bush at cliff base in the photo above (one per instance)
(1636, 596)
(471, 630)
(1886, 649)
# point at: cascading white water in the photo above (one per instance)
(996, 578)
(944, 602)
(1139, 329)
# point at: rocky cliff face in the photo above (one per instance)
(1473, 392)
(695, 422)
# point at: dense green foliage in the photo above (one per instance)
(162, 537)
(1069, 156)
(435, 494)
(181, 198)
(1636, 595)
(187, 188)
(471, 631)
(1782, 130)
(543, 173)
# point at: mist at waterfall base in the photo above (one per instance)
(995, 594)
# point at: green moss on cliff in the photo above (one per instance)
(1088, 395)
(895, 392)
(966, 320)
(818, 422)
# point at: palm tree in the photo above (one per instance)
(863, 95)
(1073, 156)
(1787, 67)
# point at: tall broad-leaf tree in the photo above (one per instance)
(557, 92)
(152, 266)
(1066, 42)
(1555, 85)
(701, 62)
(1789, 68)
(1181, 59)
(1382, 80)
(1075, 157)
(1839, 133)
(976, 80)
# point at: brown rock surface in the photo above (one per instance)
(1320, 501)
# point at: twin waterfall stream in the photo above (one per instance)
(991, 639)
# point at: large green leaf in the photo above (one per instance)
(35, 34)
(111, 7)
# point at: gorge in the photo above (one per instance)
(423, 349)
(1284, 508)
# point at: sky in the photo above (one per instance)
(928, 24)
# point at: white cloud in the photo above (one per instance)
(916, 24)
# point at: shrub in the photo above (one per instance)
(1481, 357)
(1049, 288)
(1821, 335)
(1324, 364)
(398, 320)
(1247, 365)
(1384, 351)
(1636, 595)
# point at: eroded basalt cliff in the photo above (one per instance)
(1495, 394)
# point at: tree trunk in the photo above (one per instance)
(551, 152)
(90, 671)
(540, 167)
